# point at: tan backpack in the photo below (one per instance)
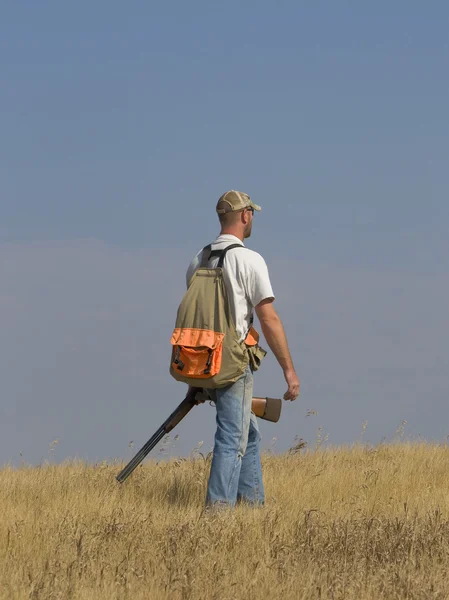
(206, 348)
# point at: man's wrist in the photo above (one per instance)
(290, 370)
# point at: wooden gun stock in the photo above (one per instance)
(265, 408)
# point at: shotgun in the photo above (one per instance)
(265, 408)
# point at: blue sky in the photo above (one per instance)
(123, 123)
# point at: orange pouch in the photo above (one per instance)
(197, 353)
(252, 339)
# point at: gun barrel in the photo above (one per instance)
(138, 458)
(179, 413)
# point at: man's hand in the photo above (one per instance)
(293, 385)
(198, 395)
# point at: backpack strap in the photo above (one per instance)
(208, 253)
(223, 253)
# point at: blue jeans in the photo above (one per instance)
(236, 473)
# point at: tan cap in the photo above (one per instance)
(236, 201)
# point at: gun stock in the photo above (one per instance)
(265, 408)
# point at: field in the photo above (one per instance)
(350, 522)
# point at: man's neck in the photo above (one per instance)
(236, 234)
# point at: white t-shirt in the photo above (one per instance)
(246, 279)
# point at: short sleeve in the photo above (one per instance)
(259, 284)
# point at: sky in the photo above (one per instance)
(121, 125)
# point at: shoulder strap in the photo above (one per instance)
(223, 253)
(205, 256)
(208, 253)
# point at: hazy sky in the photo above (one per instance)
(122, 123)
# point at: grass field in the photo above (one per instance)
(357, 523)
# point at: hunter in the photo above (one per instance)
(236, 474)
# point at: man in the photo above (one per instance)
(236, 474)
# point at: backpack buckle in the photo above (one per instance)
(209, 362)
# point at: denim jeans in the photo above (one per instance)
(236, 473)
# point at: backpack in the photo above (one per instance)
(206, 351)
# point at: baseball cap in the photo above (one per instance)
(236, 201)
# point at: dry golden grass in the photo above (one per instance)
(351, 523)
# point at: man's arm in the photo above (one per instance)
(274, 333)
